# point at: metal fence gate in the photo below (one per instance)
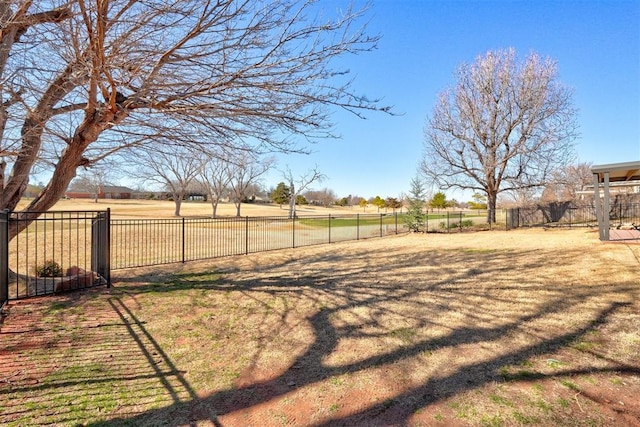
(55, 251)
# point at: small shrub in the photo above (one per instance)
(50, 268)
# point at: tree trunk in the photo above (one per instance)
(19, 178)
(214, 207)
(95, 122)
(238, 208)
(292, 201)
(31, 134)
(63, 174)
(492, 198)
(177, 199)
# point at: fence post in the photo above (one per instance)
(4, 257)
(329, 228)
(183, 241)
(107, 246)
(101, 245)
(507, 218)
(511, 220)
(357, 226)
(426, 222)
(396, 222)
(570, 217)
(381, 225)
(246, 235)
(293, 231)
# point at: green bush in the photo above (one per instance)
(50, 268)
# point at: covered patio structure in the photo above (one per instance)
(603, 175)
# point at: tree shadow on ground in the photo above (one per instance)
(361, 283)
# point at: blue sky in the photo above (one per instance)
(595, 43)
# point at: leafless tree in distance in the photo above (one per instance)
(215, 177)
(245, 170)
(174, 169)
(566, 184)
(300, 184)
(325, 197)
(83, 80)
(505, 125)
(91, 180)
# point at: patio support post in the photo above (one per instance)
(598, 203)
(605, 207)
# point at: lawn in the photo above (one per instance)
(377, 219)
(527, 327)
(135, 209)
(352, 221)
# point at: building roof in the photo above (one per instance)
(628, 171)
(116, 189)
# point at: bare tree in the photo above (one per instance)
(298, 185)
(91, 180)
(215, 177)
(504, 126)
(326, 197)
(88, 79)
(174, 169)
(566, 184)
(356, 201)
(562, 190)
(245, 169)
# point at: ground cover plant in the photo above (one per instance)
(527, 327)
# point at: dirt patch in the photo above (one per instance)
(493, 328)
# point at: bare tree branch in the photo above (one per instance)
(232, 74)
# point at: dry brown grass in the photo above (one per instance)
(494, 328)
(165, 209)
(61, 239)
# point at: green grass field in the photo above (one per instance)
(385, 219)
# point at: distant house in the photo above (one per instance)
(114, 192)
(104, 192)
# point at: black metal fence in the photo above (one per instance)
(144, 242)
(460, 221)
(56, 251)
(61, 251)
(571, 215)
